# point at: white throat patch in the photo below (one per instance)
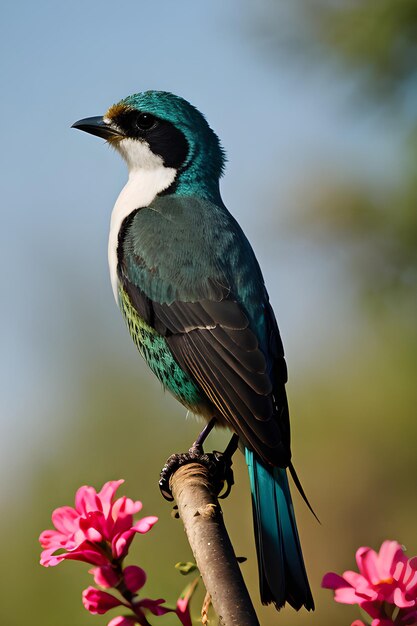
(147, 177)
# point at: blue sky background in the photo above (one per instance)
(64, 61)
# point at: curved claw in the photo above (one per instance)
(170, 467)
(225, 473)
(166, 493)
(229, 480)
(218, 465)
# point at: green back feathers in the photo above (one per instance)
(204, 255)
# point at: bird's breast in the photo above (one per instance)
(154, 349)
(141, 188)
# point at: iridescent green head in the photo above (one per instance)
(172, 129)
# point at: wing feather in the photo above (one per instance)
(262, 436)
(205, 295)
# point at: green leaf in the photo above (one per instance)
(186, 567)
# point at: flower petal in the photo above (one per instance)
(93, 526)
(366, 559)
(87, 500)
(390, 554)
(134, 577)
(145, 524)
(154, 606)
(125, 506)
(105, 576)
(361, 585)
(183, 603)
(120, 544)
(49, 559)
(413, 562)
(65, 519)
(334, 581)
(348, 596)
(122, 621)
(53, 538)
(94, 557)
(99, 602)
(401, 601)
(106, 494)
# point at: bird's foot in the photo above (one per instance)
(218, 464)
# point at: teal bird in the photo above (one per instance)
(192, 294)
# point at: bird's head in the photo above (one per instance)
(156, 128)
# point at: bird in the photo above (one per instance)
(192, 294)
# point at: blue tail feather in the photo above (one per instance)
(282, 574)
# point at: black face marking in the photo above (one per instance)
(163, 138)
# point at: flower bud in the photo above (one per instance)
(135, 577)
(99, 602)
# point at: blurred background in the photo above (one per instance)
(315, 104)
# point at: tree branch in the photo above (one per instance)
(202, 517)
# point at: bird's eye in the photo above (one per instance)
(145, 121)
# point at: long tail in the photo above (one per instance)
(282, 574)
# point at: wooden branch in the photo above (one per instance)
(202, 517)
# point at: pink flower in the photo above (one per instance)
(387, 582)
(98, 530)
(99, 602)
(122, 621)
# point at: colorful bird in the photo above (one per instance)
(192, 294)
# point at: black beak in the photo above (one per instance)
(97, 126)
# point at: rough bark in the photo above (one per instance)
(202, 517)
